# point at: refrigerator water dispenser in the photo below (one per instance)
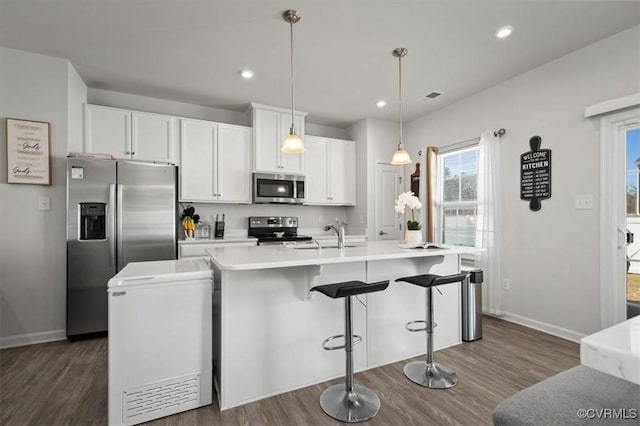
(92, 221)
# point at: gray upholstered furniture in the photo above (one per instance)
(556, 401)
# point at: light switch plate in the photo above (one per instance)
(44, 203)
(584, 202)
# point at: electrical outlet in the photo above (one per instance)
(320, 219)
(506, 284)
(584, 202)
(44, 203)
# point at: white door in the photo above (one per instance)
(388, 186)
(152, 137)
(631, 135)
(614, 130)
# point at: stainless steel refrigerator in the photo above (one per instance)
(117, 212)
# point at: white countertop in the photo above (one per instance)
(265, 257)
(161, 271)
(230, 239)
(614, 350)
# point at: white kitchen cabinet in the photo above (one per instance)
(330, 177)
(215, 162)
(130, 135)
(153, 137)
(107, 131)
(270, 126)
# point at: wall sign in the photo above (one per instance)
(28, 148)
(535, 174)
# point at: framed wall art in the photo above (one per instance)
(28, 152)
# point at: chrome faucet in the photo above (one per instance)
(340, 229)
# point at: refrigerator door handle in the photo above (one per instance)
(120, 255)
(112, 225)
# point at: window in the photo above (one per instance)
(457, 199)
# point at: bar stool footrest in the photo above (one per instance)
(356, 339)
(413, 330)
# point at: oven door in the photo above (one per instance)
(274, 189)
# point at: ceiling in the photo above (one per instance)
(192, 51)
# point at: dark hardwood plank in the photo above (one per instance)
(65, 383)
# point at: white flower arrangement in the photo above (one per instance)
(408, 199)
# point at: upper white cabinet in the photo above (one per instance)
(270, 126)
(129, 134)
(331, 171)
(153, 137)
(215, 162)
(107, 131)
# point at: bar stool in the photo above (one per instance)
(430, 374)
(349, 402)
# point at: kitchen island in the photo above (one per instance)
(268, 326)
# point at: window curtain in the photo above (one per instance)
(432, 211)
(490, 209)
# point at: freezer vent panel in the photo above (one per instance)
(160, 399)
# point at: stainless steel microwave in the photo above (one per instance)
(278, 188)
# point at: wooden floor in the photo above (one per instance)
(64, 383)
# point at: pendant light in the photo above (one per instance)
(401, 156)
(292, 143)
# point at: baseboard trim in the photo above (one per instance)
(32, 338)
(542, 326)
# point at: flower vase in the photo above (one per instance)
(411, 237)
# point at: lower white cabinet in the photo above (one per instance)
(215, 162)
(331, 175)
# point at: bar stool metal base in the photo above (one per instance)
(433, 376)
(359, 405)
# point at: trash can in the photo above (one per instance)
(472, 306)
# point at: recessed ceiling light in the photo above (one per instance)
(247, 74)
(381, 103)
(504, 32)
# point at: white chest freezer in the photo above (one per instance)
(160, 351)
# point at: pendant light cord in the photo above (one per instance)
(400, 91)
(292, 82)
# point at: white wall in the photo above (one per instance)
(181, 109)
(164, 106)
(550, 256)
(33, 242)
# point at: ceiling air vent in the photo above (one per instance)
(433, 95)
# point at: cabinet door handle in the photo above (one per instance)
(382, 233)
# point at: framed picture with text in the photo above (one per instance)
(28, 152)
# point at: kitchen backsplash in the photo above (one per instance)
(236, 215)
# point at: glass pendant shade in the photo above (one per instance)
(292, 144)
(400, 157)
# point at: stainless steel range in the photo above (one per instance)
(275, 230)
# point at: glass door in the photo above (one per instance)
(633, 221)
